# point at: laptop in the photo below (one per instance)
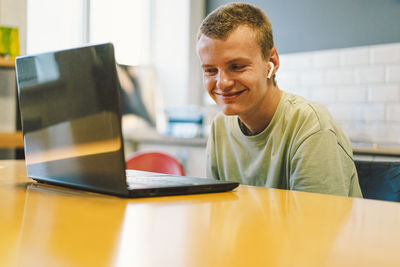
(71, 121)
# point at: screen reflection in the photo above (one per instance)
(69, 102)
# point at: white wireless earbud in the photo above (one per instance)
(270, 70)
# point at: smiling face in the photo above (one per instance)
(235, 72)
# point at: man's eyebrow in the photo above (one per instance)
(229, 62)
(207, 66)
(237, 59)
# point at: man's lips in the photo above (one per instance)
(226, 96)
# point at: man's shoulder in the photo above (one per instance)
(308, 118)
(220, 116)
(301, 105)
(299, 109)
(222, 124)
(222, 119)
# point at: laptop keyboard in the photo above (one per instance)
(145, 180)
(139, 179)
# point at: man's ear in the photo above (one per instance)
(271, 69)
(274, 58)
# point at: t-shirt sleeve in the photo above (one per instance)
(211, 162)
(320, 164)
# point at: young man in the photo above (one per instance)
(265, 136)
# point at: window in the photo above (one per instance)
(61, 24)
(124, 23)
(157, 33)
(53, 25)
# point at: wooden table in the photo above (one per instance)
(11, 140)
(53, 226)
(7, 62)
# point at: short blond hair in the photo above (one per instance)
(225, 19)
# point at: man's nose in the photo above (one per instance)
(223, 81)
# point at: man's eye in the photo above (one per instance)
(238, 67)
(210, 71)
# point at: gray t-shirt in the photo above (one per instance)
(302, 149)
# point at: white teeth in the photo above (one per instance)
(227, 95)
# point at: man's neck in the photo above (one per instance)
(255, 123)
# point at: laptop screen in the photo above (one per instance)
(70, 113)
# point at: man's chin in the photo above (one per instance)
(229, 111)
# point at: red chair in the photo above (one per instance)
(155, 162)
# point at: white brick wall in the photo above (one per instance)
(370, 74)
(340, 76)
(360, 86)
(325, 59)
(388, 53)
(354, 56)
(384, 93)
(393, 113)
(393, 73)
(351, 94)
